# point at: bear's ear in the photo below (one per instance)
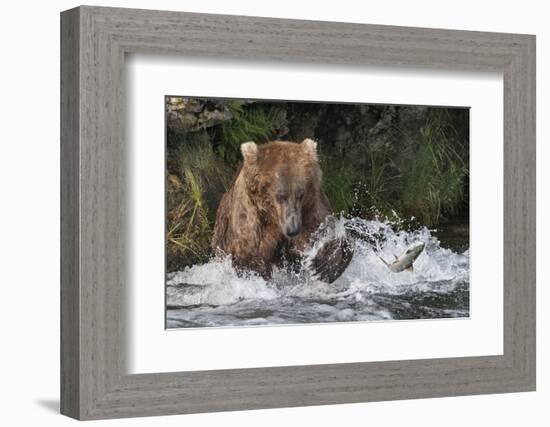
(310, 146)
(249, 151)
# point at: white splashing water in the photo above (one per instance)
(214, 294)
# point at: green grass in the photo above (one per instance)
(338, 183)
(433, 183)
(430, 187)
(362, 183)
(196, 182)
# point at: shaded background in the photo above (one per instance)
(407, 162)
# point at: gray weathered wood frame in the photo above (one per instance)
(94, 41)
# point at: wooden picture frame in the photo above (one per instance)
(94, 382)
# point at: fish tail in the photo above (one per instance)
(383, 260)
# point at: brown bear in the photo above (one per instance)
(274, 206)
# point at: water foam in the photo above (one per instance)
(214, 293)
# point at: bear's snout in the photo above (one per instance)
(293, 226)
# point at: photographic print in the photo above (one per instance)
(294, 212)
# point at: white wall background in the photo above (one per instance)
(29, 214)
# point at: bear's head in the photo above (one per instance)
(283, 181)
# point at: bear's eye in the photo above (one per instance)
(281, 197)
(300, 194)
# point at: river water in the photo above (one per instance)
(213, 294)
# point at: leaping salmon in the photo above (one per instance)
(405, 261)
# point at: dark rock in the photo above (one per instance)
(194, 114)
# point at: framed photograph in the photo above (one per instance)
(262, 213)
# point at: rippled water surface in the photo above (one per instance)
(213, 294)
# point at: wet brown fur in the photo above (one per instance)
(248, 223)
